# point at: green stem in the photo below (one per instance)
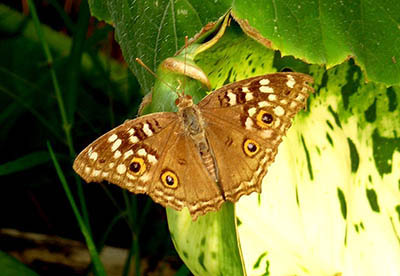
(49, 57)
(76, 53)
(75, 61)
(128, 208)
(131, 206)
(137, 255)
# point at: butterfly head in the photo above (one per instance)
(184, 101)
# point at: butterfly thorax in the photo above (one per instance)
(193, 125)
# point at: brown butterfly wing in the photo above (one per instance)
(135, 156)
(196, 189)
(239, 174)
(256, 111)
(109, 157)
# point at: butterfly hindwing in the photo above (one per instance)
(194, 187)
(248, 120)
(240, 170)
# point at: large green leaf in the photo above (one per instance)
(208, 246)
(100, 10)
(326, 32)
(331, 201)
(9, 266)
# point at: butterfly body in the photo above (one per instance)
(194, 127)
(204, 154)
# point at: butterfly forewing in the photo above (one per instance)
(257, 112)
(258, 89)
(128, 154)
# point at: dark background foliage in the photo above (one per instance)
(99, 92)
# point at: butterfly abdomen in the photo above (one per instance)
(209, 163)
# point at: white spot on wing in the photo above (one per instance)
(130, 176)
(267, 133)
(272, 97)
(264, 81)
(142, 152)
(116, 145)
(112, 138)
(291, 82)
(104, 174)
(277, 122)
(147, 130)
(249, 123)
(93, 156)
(279, 111)
(121, 169)
(245, 89)
(264, 104)
(133, 139)
(128, 153)
(95, 173)
(300, 98)
(87, 170)
(131, 131)
(293, 105)
(152, 159)
(252, 111)
(117, 154)
(249, 96)
(266, 89)
(232, 98)
(111, 165)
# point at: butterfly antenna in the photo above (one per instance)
(184, 65)
(138, 60)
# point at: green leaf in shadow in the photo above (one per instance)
(9, 266)
(26, 162)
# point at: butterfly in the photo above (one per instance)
(204, 154)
